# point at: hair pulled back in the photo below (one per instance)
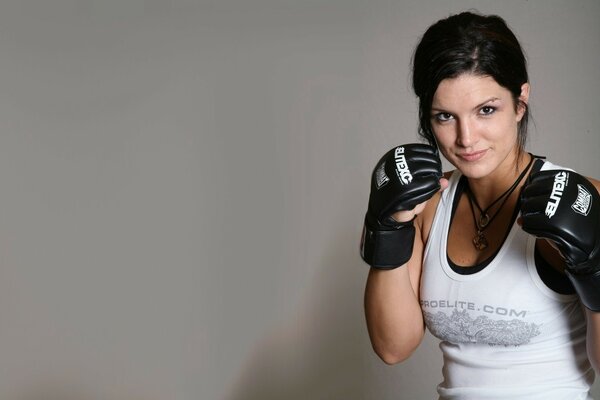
(468, 43)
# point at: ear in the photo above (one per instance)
(523, 99)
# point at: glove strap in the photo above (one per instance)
(587, 287)
(387, 249)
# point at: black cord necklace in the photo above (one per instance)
(479, 240)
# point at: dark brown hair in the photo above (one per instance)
(468, 43)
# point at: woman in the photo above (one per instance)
(500, 258)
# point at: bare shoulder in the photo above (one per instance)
(594, 182)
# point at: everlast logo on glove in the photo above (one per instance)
(402, 167)
(560, 181)
(583, 204)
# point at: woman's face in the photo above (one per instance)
(475, 122)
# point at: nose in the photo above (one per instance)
(466, 133)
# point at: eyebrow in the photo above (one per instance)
(490, 100)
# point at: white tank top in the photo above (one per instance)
(504, 334)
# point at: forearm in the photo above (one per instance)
(403, 181)
(393, 314)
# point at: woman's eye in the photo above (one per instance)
(443, 117)
(487, 110)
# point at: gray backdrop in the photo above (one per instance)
(184, 182)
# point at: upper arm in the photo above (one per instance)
(593, 339)
(422, 228)
(593, 320)
(594, 182)
(415, 264)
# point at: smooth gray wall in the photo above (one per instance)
(184, 182)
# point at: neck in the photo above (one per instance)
(487, 189)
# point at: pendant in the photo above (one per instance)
(479, 241)
(484, 219)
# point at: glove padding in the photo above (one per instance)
(403, 178)
(564, 207)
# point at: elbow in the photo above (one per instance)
(399, 349)
(391, 357)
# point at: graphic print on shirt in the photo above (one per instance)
(461, 327)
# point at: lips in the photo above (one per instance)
(473, 156)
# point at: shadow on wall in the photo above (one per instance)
(318, 352)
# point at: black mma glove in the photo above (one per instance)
(564, 207)
(404, 177)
